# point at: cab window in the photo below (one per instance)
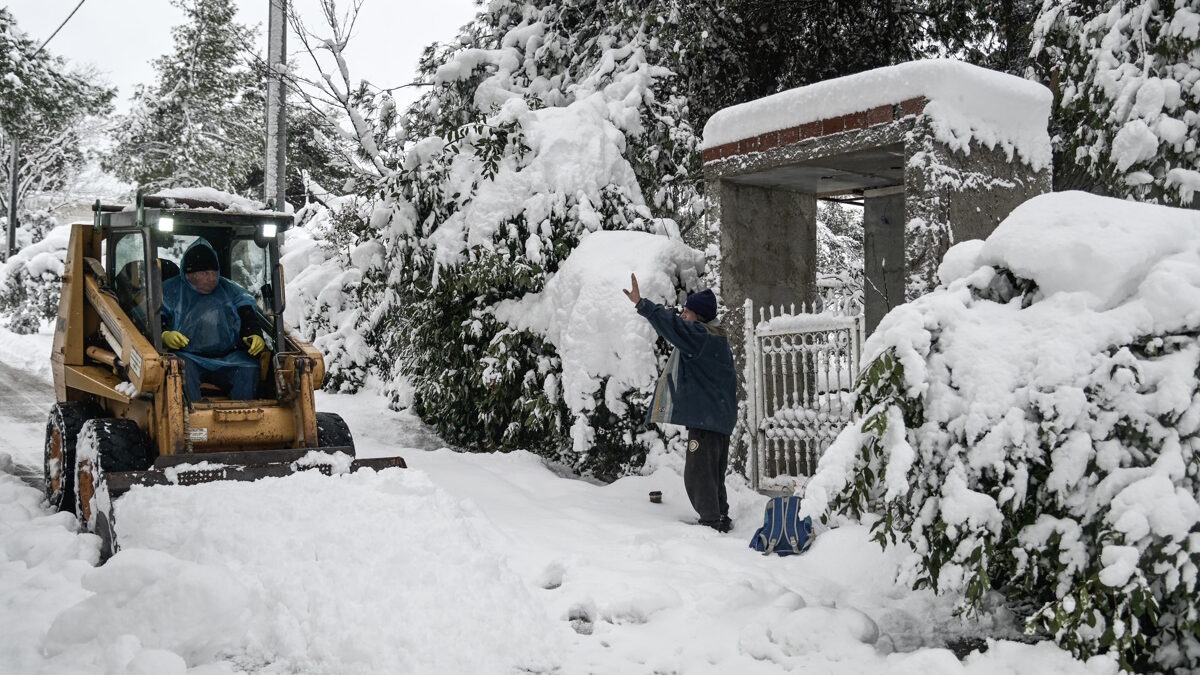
(174, 248)
(249, 267)
(128, 277)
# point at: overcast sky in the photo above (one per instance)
(122, 37)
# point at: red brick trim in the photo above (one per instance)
(913, 106)
(884, 114)
(879, 115)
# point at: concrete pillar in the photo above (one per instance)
(768, 245)
(883, 254)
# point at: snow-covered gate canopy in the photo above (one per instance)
(940, 151)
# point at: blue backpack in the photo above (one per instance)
(783, 533)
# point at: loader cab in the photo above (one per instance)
(145, 248)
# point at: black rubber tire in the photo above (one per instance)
(332, 431)
(117, 445)
(62, 431)
(121, 444)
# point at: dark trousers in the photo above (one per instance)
(704, 474)
(240, 380)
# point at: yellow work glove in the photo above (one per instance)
(255, 343)
(173, 339)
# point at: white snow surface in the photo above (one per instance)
(583, 312)
(464, 562)
(966, 103)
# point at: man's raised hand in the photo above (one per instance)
(634, 295)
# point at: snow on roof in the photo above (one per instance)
(965, 103)
(233, 203)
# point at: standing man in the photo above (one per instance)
(698, 390)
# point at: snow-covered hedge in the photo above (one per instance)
(1032, 428)
(534, 137)
(31, 281)
(324, 259)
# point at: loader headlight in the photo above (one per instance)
(166, 224)
(269, 230)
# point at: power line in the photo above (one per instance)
(60, 27)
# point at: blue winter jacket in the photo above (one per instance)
(698, 388)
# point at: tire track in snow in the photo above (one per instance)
(25, 400)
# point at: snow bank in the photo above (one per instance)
(583, 312)
(291, 590)
(965, 103)
(42, 560)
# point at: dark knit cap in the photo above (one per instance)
(704, 304)
(199, 259)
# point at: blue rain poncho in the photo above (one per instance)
(210, 322)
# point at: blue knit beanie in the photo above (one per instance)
(704, 304)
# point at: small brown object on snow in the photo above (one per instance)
(655, 497)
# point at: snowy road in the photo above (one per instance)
(462, 563)
(25, 401)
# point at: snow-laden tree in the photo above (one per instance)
(49, 107)
(840, 257)
(549, 121)
(200, 122)
(1030, 431)
(1127, 83)
(544, 122)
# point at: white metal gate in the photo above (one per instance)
(800, 390)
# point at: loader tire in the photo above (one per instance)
(332, 431)
(105, 445)
(58, 458)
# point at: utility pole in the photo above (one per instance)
(275, 180)
(12, 197)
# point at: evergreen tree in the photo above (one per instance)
(45, 105)
(1125, 77)
(201, 122)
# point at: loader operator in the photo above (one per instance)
(209, 322)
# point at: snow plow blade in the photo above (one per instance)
(248, 465)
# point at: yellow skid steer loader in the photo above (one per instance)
(123, 417)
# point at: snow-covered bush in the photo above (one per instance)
(1128, 75)
(324, 259)
(31, 281)
(539, 130)
(1032, 428)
